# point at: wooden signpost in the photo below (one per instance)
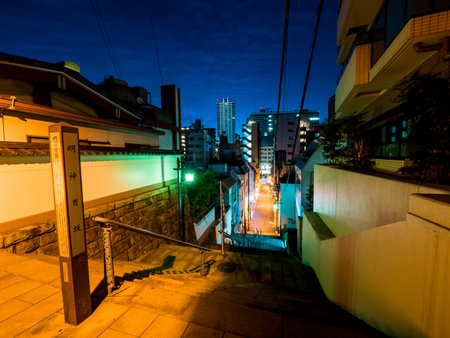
(68, 197)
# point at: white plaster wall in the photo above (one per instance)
(17, 130)
(204, 223)
(349, 202)
(26, 189)
(394, 277)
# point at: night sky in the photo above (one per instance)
(210, 49)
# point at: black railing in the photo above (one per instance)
(109, 266)
(230, 237)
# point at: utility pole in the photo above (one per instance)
(180, 199)
(222, 216)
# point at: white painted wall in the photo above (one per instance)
(17, 130)
(349, 202)
(26, 189)
(394, 277)
(204, 223)
(387, 266)
(287, 202)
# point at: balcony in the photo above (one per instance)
(353, 14)
(354, 79)
(361, 84)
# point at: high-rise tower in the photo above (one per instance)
(226, 119)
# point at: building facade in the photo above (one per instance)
(381, 45)
(226, 119)
(372, 234)
(199, 146)
(127, 154)
(267, 119)
(250, 141)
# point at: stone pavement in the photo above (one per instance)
(163, 295)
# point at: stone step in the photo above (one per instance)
(237, 312)
(235, 303)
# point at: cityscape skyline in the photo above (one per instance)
(204, 51)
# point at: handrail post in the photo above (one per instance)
(109, 265)
(202, 262)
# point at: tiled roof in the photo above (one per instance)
(41, 149)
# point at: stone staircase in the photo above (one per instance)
(163, 295)
(248, 295)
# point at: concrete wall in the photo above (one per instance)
(389, 262)
(394, 277)
(349, 202)
(287, 202)
(26, 188)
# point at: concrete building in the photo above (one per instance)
(286, 132)
(378, 243)
(331, 109)
(244, 194)
(226, 119)
(267, 119)
(250, 141)
(379, 49)
(212, 133)
(266, 155)
(127, 150)
(199, 146)
(184, 136)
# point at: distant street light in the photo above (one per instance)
(189, 177)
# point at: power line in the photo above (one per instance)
(280, 85)
(154, 41)
(316, 29)
(106, 37)
(282, 73)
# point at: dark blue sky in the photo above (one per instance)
(209, 48)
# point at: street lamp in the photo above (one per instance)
(189, 177)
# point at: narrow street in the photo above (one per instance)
(262, 220)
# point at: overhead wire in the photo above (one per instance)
(154, 41)
(106, 37)
(280, 85)
(316, 29)
(305, 86)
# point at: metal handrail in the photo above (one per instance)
(146, 232)
(229, 236)
(109, 266)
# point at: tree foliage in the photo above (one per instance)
(425, 101)
(343, 143)
(202, 192)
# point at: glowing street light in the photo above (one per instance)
(189, 177)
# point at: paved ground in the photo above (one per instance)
(262, 219)
(250, 296)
